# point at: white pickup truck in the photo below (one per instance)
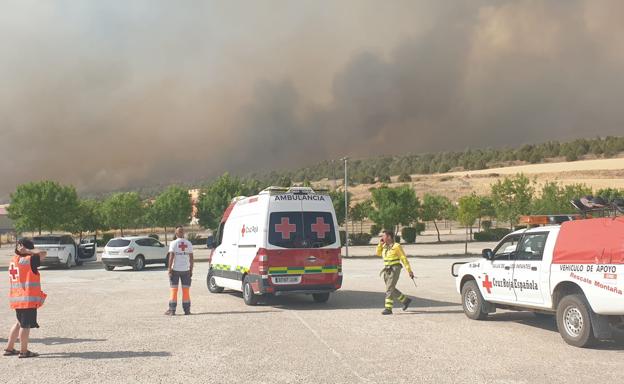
(575, 271)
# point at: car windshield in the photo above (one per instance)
(39, 240)
(301, 229)
(117, 243)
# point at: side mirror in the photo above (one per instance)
(487, 254)
(210, 242)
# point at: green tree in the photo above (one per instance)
(338, 200)
(468, 212)
(433, 209)
(555, 198)
(512, 197)
(609, 193)
(394, 206)
(172, 207)
(44, 205)
(122, 210)
(87, 218)
(486, 208)
(361, 211)
(217, 196)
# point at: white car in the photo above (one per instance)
(62, 250)
(136, 252)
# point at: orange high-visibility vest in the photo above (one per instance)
(25, 290)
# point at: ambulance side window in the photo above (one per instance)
(220, 234)
(507, 248)
(532, 246)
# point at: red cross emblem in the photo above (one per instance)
(13, 272)
(487, 284)
(243, 231)
(320, 228)
(182, 245)
(285, 228)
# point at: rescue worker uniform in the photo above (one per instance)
(25, 295)
(393, 256)
(180, 273)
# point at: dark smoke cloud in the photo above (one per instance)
(122, 94)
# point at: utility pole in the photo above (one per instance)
(346, 205)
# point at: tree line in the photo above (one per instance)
(49, 206)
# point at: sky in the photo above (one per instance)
(110, 95)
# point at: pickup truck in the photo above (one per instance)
(574, 270)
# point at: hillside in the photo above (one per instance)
(596, 173)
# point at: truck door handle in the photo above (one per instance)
(507, 268)
(533, 268)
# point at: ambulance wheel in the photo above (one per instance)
(574, 322)
(249, 296)
(139, 263)
(109, 267)
(212, 284)
(472, 301)
(321, 297)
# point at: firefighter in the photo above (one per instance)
(25, 295)
(393, 255)
(180, 270)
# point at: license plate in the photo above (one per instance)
(282, 280)
(113, 252)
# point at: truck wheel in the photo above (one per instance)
(320, 297)
(248, 294)
(212, 284)
(109, 267)
(68, 263)
(79, 262)
(574, 322)
(472, 301)
(139, 263)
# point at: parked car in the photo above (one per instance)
(63, 250)
(136, 252)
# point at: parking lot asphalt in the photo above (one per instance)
(109, 327)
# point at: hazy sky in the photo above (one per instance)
(114, 94)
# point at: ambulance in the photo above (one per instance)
(574, 271)
(282, 241)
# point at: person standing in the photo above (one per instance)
(25, 295)
(180, 270)
(393, 255)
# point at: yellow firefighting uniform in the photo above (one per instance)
(393, 256)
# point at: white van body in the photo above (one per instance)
(280, 241)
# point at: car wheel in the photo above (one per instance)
(249, 296)
(109, 267)
(320, 297)
(212, 284)
(139, 263)
(472, 301)
(574, 322)
(68, 263)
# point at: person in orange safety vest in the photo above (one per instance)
(25, 295)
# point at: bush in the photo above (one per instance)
(420, 228)
(359, 238)
(405, 178)
(375, 229)
(409, 234)
(154, 236)
(397, 239)
(368, 180)
(486, 225)
(343, 238)
(195, 239)
(384, 179)
(493, 234)
(106, 237)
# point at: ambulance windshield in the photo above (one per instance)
(301, 229)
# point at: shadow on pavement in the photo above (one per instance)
(90, 266)
(410, 311)
(63, 340)
(103, 355)
(346, 299)
(550, 324)
(234, 312)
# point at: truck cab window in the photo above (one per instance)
(507, 248)
(532, 246)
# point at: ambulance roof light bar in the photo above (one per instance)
(296, 190)
(547, 219)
